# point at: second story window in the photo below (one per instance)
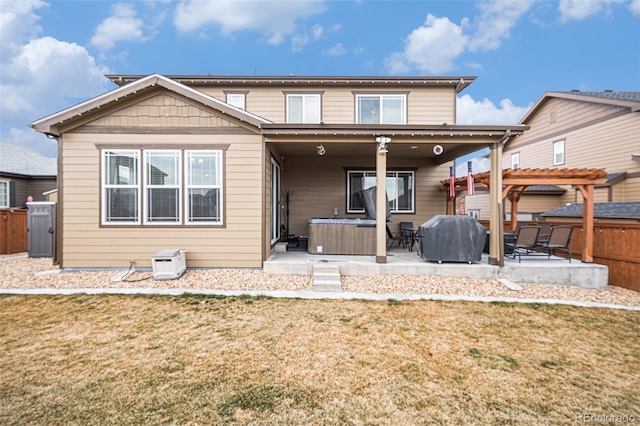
(515, 161)
(558, 153)
(303, 108)
(236, 99)
(381, 109)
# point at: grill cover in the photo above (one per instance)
(445, 238)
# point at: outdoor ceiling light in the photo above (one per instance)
(382, 141)
(321, 150)
(438, 149)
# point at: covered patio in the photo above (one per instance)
(401, 261)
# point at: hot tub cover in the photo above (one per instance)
(446, 238)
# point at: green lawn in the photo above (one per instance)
(205, 360)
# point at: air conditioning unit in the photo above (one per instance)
(169, 264)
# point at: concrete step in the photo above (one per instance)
(326, 278)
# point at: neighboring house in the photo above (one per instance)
(617, 212)
(207, 163)
(24, 173)
(575, 130)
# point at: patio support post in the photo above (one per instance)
(496, 223)
(587, 222)
(381, 203)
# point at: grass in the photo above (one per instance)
(101, 360)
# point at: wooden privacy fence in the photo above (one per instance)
(616, 245)
(13, 231)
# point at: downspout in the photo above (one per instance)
(57, 236)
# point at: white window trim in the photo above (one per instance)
(372, 172)
(382, 96)
(240, 97)
(515, 161)
(141, 186)
(8, 186)
(275, 201)
(304, 97)
(147, 185)
(104, 187)
(219, 186)
(558, 149)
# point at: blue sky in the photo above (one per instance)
(54, 53)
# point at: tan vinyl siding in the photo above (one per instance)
(86, 244)
(425, 106)
(319, 185)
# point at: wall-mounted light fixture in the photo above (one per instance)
(382, 141)
(321, 150)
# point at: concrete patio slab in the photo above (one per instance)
(531, 270)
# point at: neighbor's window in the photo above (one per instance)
(475, 213)
(515, 161)
(162, 187)
(558, 153)
(204, 186)
(400, 187)
(151, 181)
(4, 194)
(381, 109)
(236, 99)
(302, 108)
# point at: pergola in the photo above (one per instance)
(514, 182)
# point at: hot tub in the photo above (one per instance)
(342, 236)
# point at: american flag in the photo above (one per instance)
(452, 182)
(471, 185)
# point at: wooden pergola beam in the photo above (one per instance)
(514, 182)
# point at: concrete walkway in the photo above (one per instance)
(310, 295)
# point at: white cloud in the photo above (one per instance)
(495, 22)
(470, 111)
(634, 7)
(337, 50)
(18, 24)
(581, 9)
(40, 75)
(479, 164)
(436, 45)
(121, 26)
(274, 20)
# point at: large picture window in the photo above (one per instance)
(400, 186)
(381, 109)
(302, 108)
(151, 181)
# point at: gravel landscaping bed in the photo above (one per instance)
(20, 272)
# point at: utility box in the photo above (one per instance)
(169, 264)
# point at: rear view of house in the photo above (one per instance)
(222, 166)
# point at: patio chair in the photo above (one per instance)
(407, 234)
(559, 240)
(525, 242)
(392, 237)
